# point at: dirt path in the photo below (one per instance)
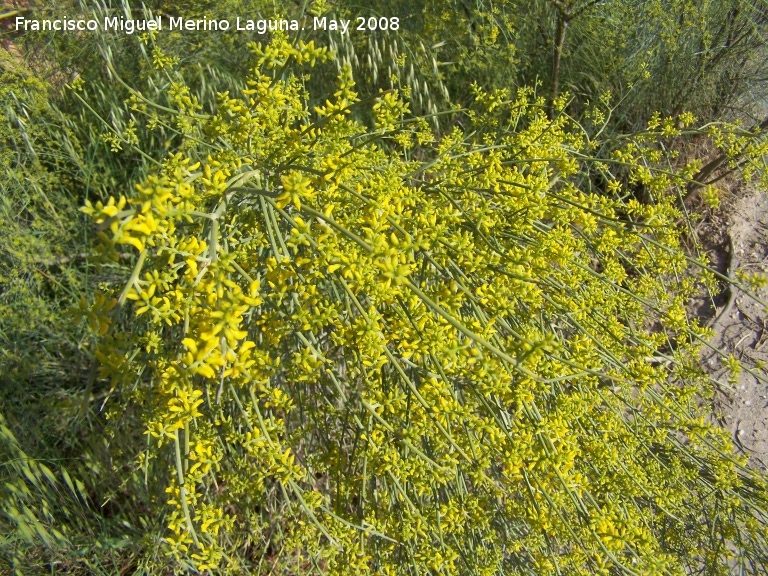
(743, 331)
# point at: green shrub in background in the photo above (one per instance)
(37, 279)
(36, 215)
(64, 499)
(665, 56)
(661, 56)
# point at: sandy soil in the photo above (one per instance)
(741, 328)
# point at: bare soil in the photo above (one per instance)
(741, 324)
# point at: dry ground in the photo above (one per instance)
(741, 328)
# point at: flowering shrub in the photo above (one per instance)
(370, 349)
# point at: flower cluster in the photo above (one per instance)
(452, 361)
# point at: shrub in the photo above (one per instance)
(665, 56)
(372, 349)
(65, 499)
(34, 213)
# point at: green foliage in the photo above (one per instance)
(665, 56)
(35, 212)
(662, 56)
(58, 473)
